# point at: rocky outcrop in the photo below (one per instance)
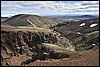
(16, 43)
(20, 42)
(90, 44)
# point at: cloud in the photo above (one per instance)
(50, 7)
(90, 3)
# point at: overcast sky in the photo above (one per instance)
(10, 8)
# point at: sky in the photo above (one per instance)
(42, 8)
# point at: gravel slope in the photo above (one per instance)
(88, 58)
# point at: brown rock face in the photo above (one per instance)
(16, 43)
(21, 42)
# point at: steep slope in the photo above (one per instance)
(28, 35)
(27, 41)
(31, 20)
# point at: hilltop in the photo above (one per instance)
(31, 20)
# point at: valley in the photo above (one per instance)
(31, 40)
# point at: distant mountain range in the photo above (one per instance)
(87, 16)
(66, 16)
(3, 18)
(77, 16)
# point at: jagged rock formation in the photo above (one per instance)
(28, 34)
(15, 42)
(23, 41)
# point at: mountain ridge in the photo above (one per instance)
(21, 20)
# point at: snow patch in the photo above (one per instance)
(31, 23)
(91, 20)
(82, 24)
(93, 44)
(76, 20)
(78, 32)
(92, 25)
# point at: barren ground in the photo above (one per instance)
(87, 58)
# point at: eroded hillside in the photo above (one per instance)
(22, 41)
(84, 33)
